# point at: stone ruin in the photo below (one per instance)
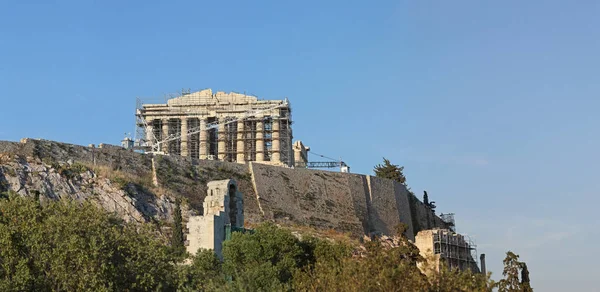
(223, 210)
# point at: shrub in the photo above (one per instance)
(68, 247)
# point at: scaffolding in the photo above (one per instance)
(285, 136)
(454, 249)
(230, 138)
(449, 220)
(194, 139)
(268, 139)
(174, 129)
(242, 130)
(249, 136)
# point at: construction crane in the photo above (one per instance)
(154, 146)
(327, 164)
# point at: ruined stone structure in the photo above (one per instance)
(444, 245)
(222, 126)
(223, 208)
(300, 153)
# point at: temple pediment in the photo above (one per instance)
(207, 96)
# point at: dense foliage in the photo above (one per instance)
(68, 247)
(177, 238)
(512, 268)
(390, 171)
(62, 246)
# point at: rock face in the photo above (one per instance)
(70, 181)
(143, 188)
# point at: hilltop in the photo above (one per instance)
(143, 188)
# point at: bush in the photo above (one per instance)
(205, 273)
(263, 260)
(62, 246)
(68, 247)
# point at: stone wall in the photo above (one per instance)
(359, 204)
(223, 206)
(318, 198)
(422, 216)
(452, 247)
(388, 206)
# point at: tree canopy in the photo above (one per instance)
(390, 171)
(177, 238)
(64, 246)
(512, 268)
(68, 246)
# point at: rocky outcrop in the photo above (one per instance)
(73, 181)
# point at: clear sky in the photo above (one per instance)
(492, 106)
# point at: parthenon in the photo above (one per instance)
(230, 127)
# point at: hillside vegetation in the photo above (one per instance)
(68, 246)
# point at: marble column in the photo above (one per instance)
(203, 151)
(164, 147)
(149, 132)
(260, 142)
(240, 142)
(184, 137)
(276, 157)
(222, 138)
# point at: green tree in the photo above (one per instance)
(445, 279)
(390, 171)
(64, 246)
(205, 273)
(379, 268)
(512, 268)
(177, 239)
(526, 286)
(264, 260)
(68, 246)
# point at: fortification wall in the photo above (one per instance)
(307, 197)
(359, 204)
(403, 204)
(383, 213)
(422, 216)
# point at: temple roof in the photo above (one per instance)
(207, 96)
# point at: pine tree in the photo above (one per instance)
(177, 241)
(390, 171)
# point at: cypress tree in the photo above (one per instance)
(177, 241)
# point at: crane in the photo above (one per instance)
(154, 146)
(327, 164)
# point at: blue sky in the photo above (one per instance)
(492, 106)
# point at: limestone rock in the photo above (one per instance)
(31, 178)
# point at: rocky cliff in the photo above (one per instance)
(143, 188)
